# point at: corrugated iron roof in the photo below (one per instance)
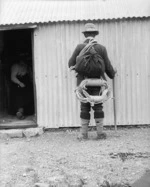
(40, 11)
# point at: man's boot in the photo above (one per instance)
(99, 127)
(20, 114)
(84, 129)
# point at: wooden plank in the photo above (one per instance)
(11, 122)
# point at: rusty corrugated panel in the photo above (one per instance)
(128, 46)
(56, 102)
(57, 105)
(40, 11)
(128, 43)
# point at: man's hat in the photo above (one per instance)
(90, 27)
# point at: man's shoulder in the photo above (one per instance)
(80, 46)
(15, 66)
(100, 46)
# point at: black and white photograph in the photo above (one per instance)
(74, 93)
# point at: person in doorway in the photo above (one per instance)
(90, 32)
(21, 90)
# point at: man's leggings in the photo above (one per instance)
(86, 107)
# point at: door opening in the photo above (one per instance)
(17, 106)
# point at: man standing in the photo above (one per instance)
(22, 96)
(90, 32)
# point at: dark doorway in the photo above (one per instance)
(16, 74)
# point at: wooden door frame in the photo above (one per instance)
(18, 27)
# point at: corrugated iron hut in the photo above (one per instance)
(49, 30)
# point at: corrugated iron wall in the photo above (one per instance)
(128, 46)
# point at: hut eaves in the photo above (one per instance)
(14, 12)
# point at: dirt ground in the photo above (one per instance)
(122, 158)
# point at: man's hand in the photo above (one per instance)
(115, 69)
(72, 68)
(21, 85)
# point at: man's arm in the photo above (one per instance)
(109, 68)
(72, 60)
(14, 72)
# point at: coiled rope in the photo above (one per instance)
(88, 46)
(84, 97)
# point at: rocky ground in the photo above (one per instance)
(58, 159)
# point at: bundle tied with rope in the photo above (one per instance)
(91, 64)
(84, 97)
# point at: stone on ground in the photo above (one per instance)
(31, 132)
(11, 133)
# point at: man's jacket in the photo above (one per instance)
(101, 50)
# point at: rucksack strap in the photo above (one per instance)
(88, 46)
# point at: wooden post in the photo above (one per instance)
(114, 104)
